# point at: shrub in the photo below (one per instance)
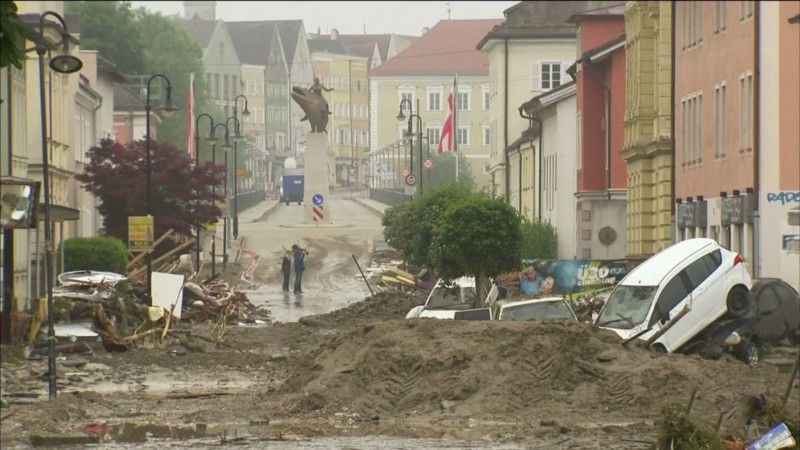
(539, 240)
(107, 254)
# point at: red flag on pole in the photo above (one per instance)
(446, 139)
(190, 131)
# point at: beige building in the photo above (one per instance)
(647, 151)
(424, 74)
(528, 55)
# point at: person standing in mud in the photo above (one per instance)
(286, 269)
(299, 255)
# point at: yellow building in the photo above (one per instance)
(647, 149)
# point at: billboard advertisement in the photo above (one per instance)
(569, 276)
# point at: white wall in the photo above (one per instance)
(777, 259)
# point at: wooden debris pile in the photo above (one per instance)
(396, 279)
(215, 301)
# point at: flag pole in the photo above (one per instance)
(455, 122)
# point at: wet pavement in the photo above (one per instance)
(332, 280)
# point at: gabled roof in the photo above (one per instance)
(252, 40)
(106, 66)
(327, 46)
(594, 54)
(541, 20)
(447, 48)
(199, 30)
(610, 11)
(539, 101)
(125, 99)
(362, 44)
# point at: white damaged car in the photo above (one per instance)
(692, 291)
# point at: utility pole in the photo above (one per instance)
(448, 10)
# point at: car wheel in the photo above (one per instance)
(739, 303)
(748, 353)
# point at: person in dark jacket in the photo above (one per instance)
(286, 269)
(299, 266)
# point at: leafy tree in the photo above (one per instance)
(12, 36)
(479, 235)
(107, 254)
(171, 53)
(409, 227)
(116, 175)
(111, 28)
(444, 170)
(539, 240)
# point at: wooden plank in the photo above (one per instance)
(389, 280)
(399, 272)
(408, 281)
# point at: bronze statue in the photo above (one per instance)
(313, 104)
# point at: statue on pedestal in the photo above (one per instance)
(313, 104)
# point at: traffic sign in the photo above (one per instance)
(411, 179)
(428, 163)
(317, 199)
(406, 172)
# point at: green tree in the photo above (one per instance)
(539, 240)
(171, 53)
(12, 36)
(409, 227)
(444, 171)
(478, 236)
(111, 28)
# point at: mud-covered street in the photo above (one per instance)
(355, 374)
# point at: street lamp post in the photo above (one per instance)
(225, 145)
(63, 63)
(197, 164)
(168, 109)
(410, 133)
(236, 138)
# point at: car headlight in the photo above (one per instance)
(733, 339)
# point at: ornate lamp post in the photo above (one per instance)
(197, 164)
(63, 63)
(226, 145)
(410, 133)
(237, 137)
(168, 110)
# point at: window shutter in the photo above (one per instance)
(536, 77)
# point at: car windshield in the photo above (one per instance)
(537, 311)
(444, 296)
(627, 306)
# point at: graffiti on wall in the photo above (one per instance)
(784, 197)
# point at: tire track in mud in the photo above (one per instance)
(620, 389)
(536, 372)
(392, 396)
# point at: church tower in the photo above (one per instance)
(200, 10)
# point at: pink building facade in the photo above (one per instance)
(601, 191)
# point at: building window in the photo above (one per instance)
(720, 16)
(692, 121)
(462, 101)
(434, 101)
(462, 136)
(406, 99)
(545, 75)
(270, 141)
(720, 120)
(745, 10)
(485, 106)
(434, 136)
(283, 114)
(487, 136)
(746, 112)
(692, 23)
(281, 141)
(271, 112)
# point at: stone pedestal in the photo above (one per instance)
(316, 179)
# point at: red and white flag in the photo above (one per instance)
(446, 139)
(190, 131)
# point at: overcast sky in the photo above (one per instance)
(351, 17)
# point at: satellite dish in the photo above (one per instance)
(607, 235)
(290, 163)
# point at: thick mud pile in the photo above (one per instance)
(508, 370)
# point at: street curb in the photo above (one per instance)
(266, 213)
(371, 208)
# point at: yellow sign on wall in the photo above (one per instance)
(140, 233)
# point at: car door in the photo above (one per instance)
(769, 325)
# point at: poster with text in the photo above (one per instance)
(569, 276)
